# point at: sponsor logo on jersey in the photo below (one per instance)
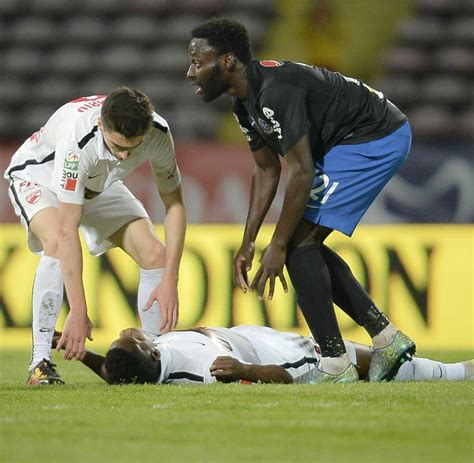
(269, 113)
(34, 197)
(68, 180)
(270, 63)
(71, 161)
(27, 186)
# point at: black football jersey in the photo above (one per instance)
(287, 100)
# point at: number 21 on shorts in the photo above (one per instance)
(318, 193)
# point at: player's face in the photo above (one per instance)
(205, 71)
(118, 145)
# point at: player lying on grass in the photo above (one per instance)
(242, 353)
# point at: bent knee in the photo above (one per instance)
(50, 244)
(308, 234)
(152, 256)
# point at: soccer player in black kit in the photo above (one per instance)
(342, 141)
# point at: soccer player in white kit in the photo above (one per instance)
(244, 353)
(66, 177)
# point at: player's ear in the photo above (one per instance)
(155, 354)
(230, 62)
(101, 126)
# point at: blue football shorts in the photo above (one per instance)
(349, 178)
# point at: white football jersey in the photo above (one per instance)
(186, 356)
(69, 156)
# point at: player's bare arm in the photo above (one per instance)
(167, 291)
(298, 187)
(77, 327)
(90, 359)
(265, 178)
(229, 369)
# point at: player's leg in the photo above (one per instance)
(37, 208)
(311, 280)
(347, 181)
(117, 218)
(422, 369)
(139, 240)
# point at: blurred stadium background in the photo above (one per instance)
(420, 53)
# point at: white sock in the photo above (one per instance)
(334, 365)
(47, 300)
(151, 318)
(421, 369)
(385, 337)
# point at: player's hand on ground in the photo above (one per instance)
(77, 329)
(228, 369)
(242, 265)
(271, 267)
(166, 294)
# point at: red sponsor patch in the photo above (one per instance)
(270, 63)
(70, 184)
(34, 197)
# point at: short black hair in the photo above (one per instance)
(127, 111)
(227, 36)
(124, 367)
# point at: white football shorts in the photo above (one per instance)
(103, 215)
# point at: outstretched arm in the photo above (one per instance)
(229, 369)
(167, 291)
(265, 178)
(90, 359)
(298, 188)
(77, 327)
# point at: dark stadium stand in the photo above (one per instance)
(53, 51)
(430, 71)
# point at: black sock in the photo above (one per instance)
(351, 296)
(310, 277)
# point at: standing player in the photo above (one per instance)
(342, 141)
(68, 176)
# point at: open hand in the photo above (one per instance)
(271, 267)
(166, 295)
(77, 329)
(242, 265)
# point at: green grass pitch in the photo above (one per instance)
(87, 421)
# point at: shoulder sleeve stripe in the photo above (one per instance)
(158, 126)
(186, 375)
(30, 162)
(87, 138)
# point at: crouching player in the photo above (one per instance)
(243, 353)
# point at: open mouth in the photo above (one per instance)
(199, 88)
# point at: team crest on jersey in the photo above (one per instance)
(71, 161)
(34, 197)
(270, 63)
(265, 126)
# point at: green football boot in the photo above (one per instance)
(387, 360)
(349, 375)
